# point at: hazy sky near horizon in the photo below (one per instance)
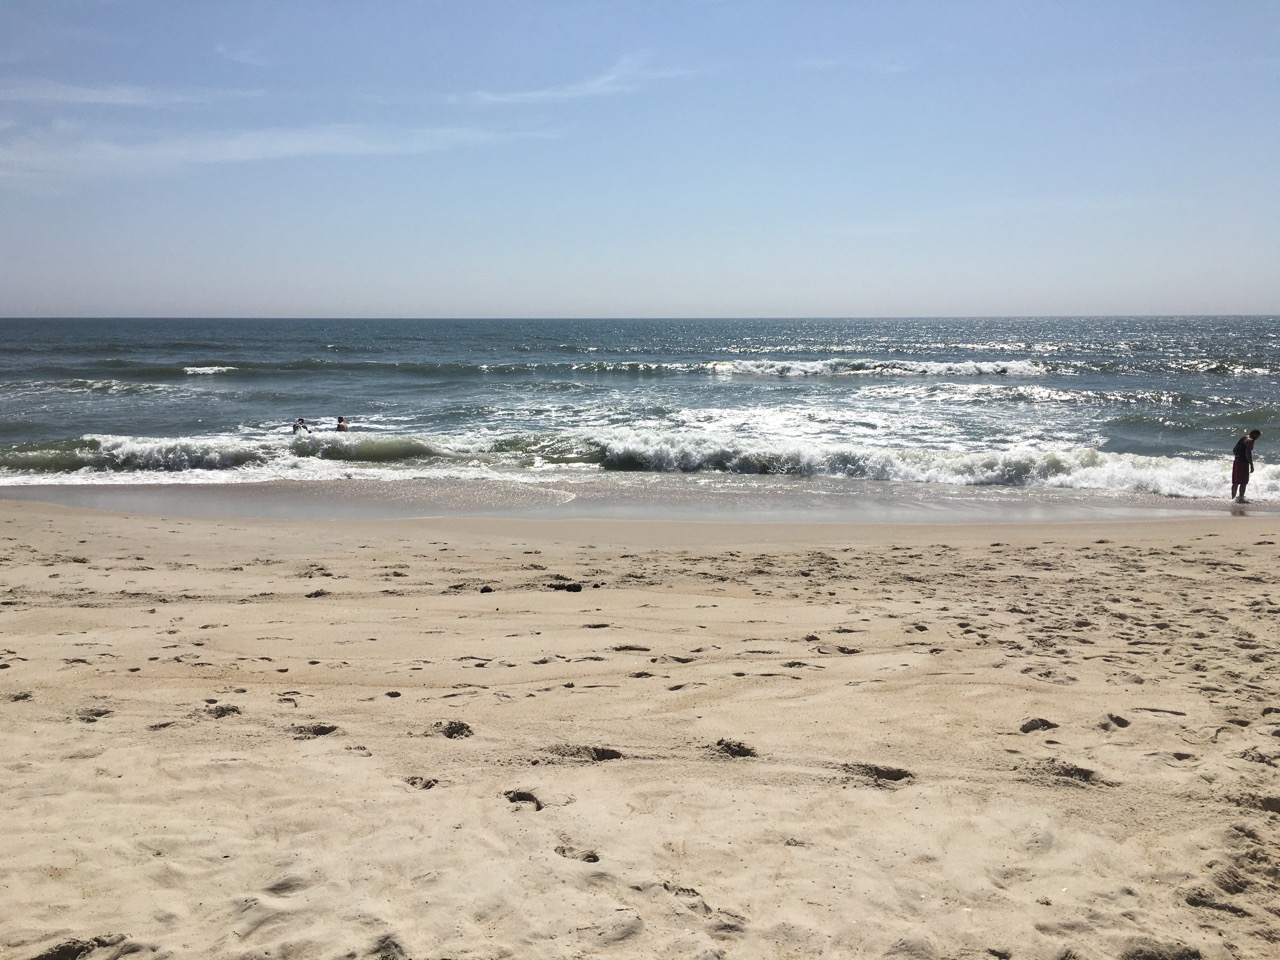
(639, 157)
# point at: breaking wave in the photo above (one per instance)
(389, 456)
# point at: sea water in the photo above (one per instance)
(1117, 405)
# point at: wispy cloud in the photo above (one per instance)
(52, 154)
(245, 55)
(113, 95)
(625, 76)
(885, 65)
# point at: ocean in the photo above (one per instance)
(918, 409)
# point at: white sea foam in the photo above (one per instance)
(883, 368)
(717, 460)
(207, 371)
(1027, 466)
(41, 389)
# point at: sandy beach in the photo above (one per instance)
(484, 738)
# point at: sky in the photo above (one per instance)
(632, 158)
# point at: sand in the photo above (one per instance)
(482, 739)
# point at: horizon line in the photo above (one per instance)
(652, 317)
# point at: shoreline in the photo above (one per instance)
(649, 497)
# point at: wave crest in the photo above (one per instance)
(836, 367)
(614, 450)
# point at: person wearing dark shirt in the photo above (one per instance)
(1242, 465)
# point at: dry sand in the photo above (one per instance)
(483, 739)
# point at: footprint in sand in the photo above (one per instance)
(1204, 898)
(452, 729)
(1061, 770)
(1037, 723)
(879, 775)
(523, 797)
(573, 853)
(593, 754)
(310, 731)
(1049, 676)
(75, 949)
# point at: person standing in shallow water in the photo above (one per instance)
(299, 425)
(342, 425)
(1242, 465)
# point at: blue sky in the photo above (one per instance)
(585, 158)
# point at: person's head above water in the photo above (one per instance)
(1255, 434)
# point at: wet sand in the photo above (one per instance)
(624, 496)
(501, 737)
